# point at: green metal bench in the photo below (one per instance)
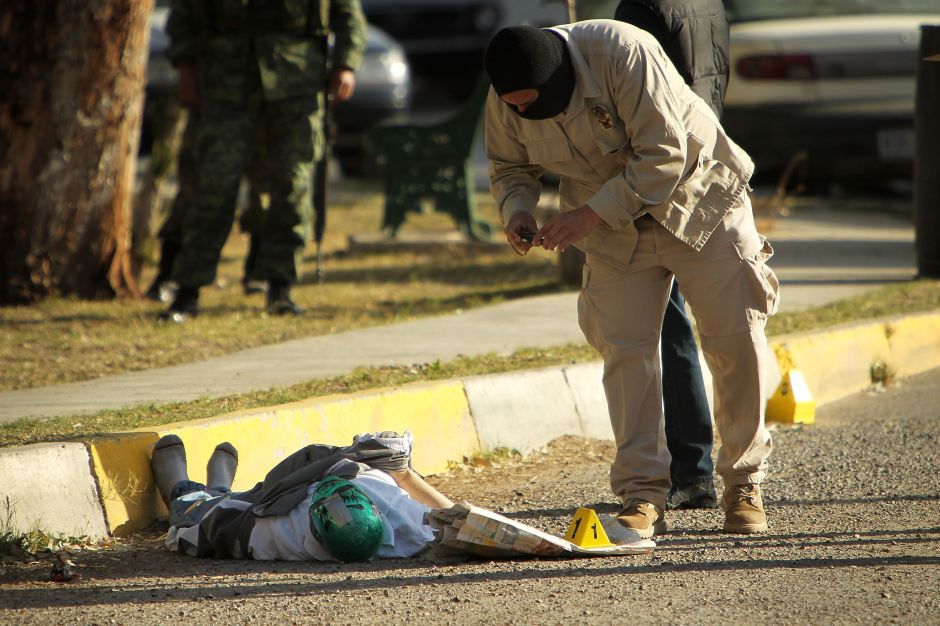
(431, 162)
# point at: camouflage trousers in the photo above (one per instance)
(290, 132)
(251, 218)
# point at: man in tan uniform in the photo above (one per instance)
(651, 188)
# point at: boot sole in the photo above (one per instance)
(745, 529)
(658, 528)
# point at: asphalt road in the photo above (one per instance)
(853, 502)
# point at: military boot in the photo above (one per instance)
(185, 305)
(744, 509)
(279, 301)
(168, 252)
(645, 518)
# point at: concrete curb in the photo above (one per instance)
(105, 486)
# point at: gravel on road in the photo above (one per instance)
(853, 504)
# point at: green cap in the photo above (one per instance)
(344, 519)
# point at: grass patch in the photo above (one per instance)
(17, 543)
(63, 340)
(497, 457)
(66, 428)
(907, 297)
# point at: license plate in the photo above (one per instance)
(896, 144)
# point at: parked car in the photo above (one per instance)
(444, 40)
(830, 83)
(383, 90)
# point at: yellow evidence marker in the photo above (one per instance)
(792, 402)
(586, 530)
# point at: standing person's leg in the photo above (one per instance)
(620, 313)
(294, 140)
(225, 143)
(171, 233)
(688, 419)
(732, 292)
(251, 220)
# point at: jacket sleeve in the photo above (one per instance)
(182, 30)
(648, 95)
(348, 26)
(514, 182)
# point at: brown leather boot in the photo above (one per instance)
(645, 518)
(744, 510)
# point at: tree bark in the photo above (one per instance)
(72, 78)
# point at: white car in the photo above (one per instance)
(829, 84)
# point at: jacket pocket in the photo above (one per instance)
(608, 132)
(707, 190)
(545, 151)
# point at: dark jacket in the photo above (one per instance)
(695, 36)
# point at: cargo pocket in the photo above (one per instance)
(765, 286)
(587, 313)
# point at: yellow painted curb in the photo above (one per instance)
(838, 361)
(121, 465)
(833, 363)
(436, 413)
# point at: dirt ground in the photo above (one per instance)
(853, 503)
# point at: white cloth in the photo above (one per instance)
(289, 538)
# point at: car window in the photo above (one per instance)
(749, 10)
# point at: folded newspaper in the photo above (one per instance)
(465, 528)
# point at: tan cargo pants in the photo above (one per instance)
(731, 292)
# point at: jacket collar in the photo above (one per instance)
(585, 85)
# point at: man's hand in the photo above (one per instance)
(520, 223)
(187, 84)
(564, 229)
(342, 84)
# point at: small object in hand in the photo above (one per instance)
(526, 236)
(63, 571)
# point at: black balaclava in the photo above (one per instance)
(525, 57)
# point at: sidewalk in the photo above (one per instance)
(822, 255)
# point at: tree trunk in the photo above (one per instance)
(71, 93)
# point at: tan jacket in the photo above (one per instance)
(634, 139)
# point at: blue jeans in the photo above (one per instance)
(190, 501)
(688, 420)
